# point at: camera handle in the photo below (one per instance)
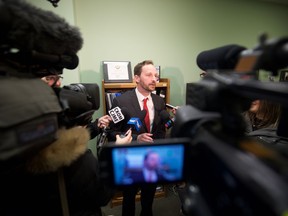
(102, 140)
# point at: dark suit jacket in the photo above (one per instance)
(138, 177)
(130, 102)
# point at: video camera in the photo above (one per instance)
(226, 172)
(232, 174)
(35, 43)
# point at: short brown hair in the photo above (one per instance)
(138, 67)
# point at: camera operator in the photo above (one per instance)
(62, 177)
(32, 188)
(54, 80)
(262, 121)
(262, 114)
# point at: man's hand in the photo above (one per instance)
(124, 140)
(175, 110)
(145, 137)
(104, 121)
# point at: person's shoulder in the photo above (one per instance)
(127, 93)
(159, 101)
(268, 135)
(157, 97)
(269, 131)
(124, 96)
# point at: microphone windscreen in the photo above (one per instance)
(69, 61)
(225, 57)
(29, 28)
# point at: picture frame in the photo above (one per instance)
(117, 72)
(158, 69)
(283, 76)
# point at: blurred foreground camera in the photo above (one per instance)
(32, 112)
(232, 174)
(29, 112)
(35, 43)
(79, 102)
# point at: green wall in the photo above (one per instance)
(170, 32)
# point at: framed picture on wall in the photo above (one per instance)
(158, 69)
(283, 76)
(117, 71)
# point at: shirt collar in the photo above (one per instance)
(142, 97)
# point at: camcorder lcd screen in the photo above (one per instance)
(160, 162)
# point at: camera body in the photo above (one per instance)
(29, 116)
(32, 112)
(79, 102)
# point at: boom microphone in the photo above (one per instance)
(225, 57)
(270, 55)
(32, 36)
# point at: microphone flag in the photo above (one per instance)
(135, 123)
(116, 115)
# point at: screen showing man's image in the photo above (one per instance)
(148, 164)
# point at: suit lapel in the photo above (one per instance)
(137, 110)
(134, 102)
(156, 113)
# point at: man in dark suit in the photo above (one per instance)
(146, 77)
(150, 171)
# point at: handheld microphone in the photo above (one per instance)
(165, 117)
(171, 106)
(117, 116)
(225, 57)
(170, 123)
(136, 122)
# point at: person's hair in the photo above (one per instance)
(138, 67)
(269, 113)
(148, 154)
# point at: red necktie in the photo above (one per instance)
(147, 119)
